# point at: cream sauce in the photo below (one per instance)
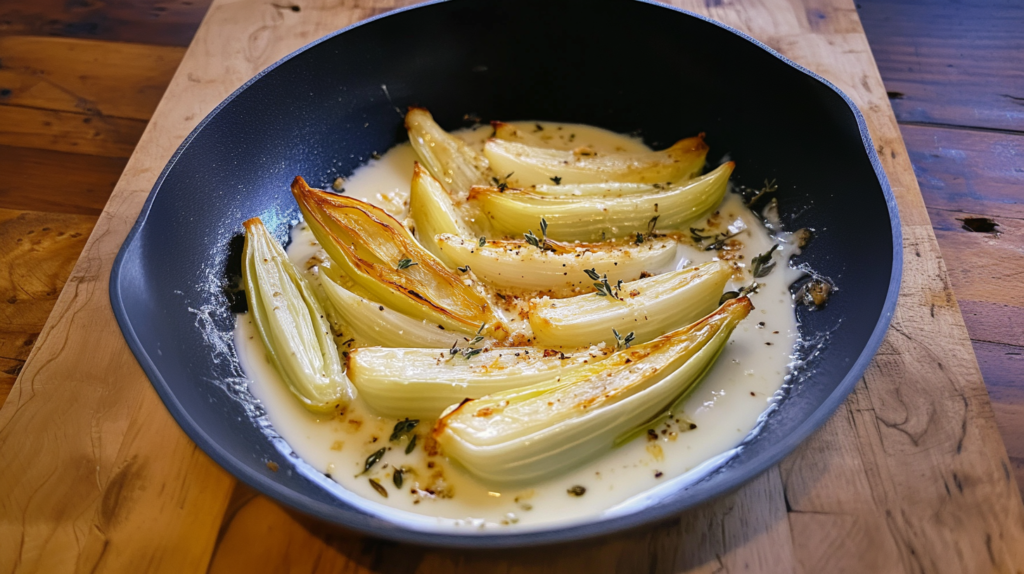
(725, 407)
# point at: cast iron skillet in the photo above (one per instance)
(625, 65)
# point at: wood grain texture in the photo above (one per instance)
(951, 62)
(58, 182)
(161, 22)
(37, 253)
(1003, 365)
(68, 131)
(9, 370)
(108, 79)
(902, 479)
(968, 171)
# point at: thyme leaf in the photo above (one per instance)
(411, 445)
(406, 263)
(373, 459)
(482, 241)
(763, 264)
(557, 180)
(623, 342)
(651, 224)
(501, 183)
(398, 479)
(697, 237)
(379, 487)
(533, 239)
(721, 239)
(464, 269)
(403, 428)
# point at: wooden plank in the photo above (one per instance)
(922, 420)
(56, 181)
(163, 22)
(141, 498)
(110, 79)
(950, 62)
(712, 538)
(9, 370)
(1003, 365)
(984, 267)
(968, 171)
(68, 131)
(37, 253)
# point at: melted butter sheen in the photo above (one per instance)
(436, 494)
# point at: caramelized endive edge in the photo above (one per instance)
(618, 359)
(316, 206)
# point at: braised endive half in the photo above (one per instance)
(434, 211)
(538, 431)
(530, 165)
(575, 218)
(371, 323)
(556, 266)
(648, 307)
(421, 383)
(456, 165)
(291, 324)
(559, 137)
(380, 255)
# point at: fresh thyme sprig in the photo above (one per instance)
(769, 187)
(763, 264)
(539, 242)
(470, 351)
(720, 240)
(641, 237)
(406, 263)
(501, 183)
(533, 239)
(604, 288)
(623, 342)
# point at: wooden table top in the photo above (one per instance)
(909, 475)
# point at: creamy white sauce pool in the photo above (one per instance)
(722, 410)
